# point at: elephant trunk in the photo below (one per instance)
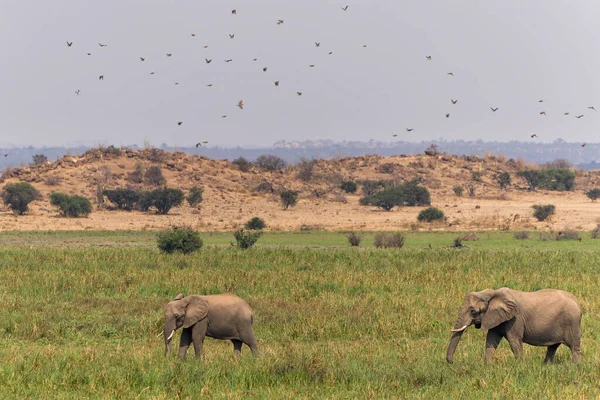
(168, 333)
(459, 327)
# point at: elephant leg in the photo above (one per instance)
(184, 343)
(550, 353)
(516, 345)
(237, 347)
(491, 343)
(248, 338)
(574, 344)
(198, 335)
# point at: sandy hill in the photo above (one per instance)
(231, 197)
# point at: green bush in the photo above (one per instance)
(542, 212)
(408, 194)
(17, 196)
(389, 240)
(145, 200)
(123, 199)
(194, 197)
(179, 239)
(458, 190)
(593, 194)
(349, 186)
(431, 214)
(246, 239)
(164, 199)
(559, 179)
(255, 224)
(154, 176)
(503, 179)
(289, 198)
(71, 206)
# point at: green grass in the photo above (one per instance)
(343, 323)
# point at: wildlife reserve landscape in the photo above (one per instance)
(299, 200)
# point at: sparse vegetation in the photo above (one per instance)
(476, 176)
(503, 180)
(542, 212)
(349, 186)
(243, 164)
(387, 168)
(458, 190)
(39, 159)
(154, 176)
(561, 163)
(157, 155)
(431, 214)
(387, 240)
(179, 240)
(289, 198)
(137, 175)
(17, 196)
(593, 194)
(306, 169)
(595, 233)
(194, 196)
(354, 239)
(471, 190)
(568, 234)
(246, 239)
(53, 180)
(71, 206)
(369, 187)
(521, 235)
(255, 224)
(269, 162)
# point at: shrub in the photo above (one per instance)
(568, 234)
(269, 162)
(457, 243)
(154, 176)
(389, 240)
(349, 187)
(521, 235)
(369, 187)
(305, 169)
(542, 212)
(354, 239)
(532, 178)
(53, 180)
(471, 189)
(40, 159)
(458, 190)
(242, 164)
(71, 206)
(156, 155)
(17, 196)
(503, 179)
(476, 176)
(559, 179)
(145, 200)
(255, 224)
(179, 239)
(562, 163)
(246, 239)
(289, 198)
(431, 214)
(137, 176)
(595, 233)
(164, 199)
(194, 196)
(123, 199)
(408, 194)
(432, 150)
(593, 194)
(387, 168)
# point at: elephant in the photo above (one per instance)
(546, 317)
(221, 316)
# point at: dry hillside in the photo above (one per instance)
(231, 197)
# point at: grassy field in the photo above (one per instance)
(331, 321)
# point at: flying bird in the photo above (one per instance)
(494, 109)
(152, 73)
(428, 57)
(78, 92)
(89, 54)
(207, 60)
(234, 12)
(169, 54)
(69, 44)
(231, 36)
(394, 135)
(224, 116)
(101, 45)
(566, 113)
(534, 135)
(199, 144)
(448, 115)
(540, 101)
(276, 83)
(179, 123)
(331, 52)
(409, 129)
(229, 60)
(101, 77)
(453, 101)
(299, 93)
(209, 85)
(592, 108)
(142, 59)
(450, 73)
(5, 154)
(206, 46)
(265, 69)
(345, 8)
(193, 34)
(241, 104)
(254, 59)
(579, 116)
(364, 45)
(583, 144)
(312, 65)
(542, 112)
(317, 44)
(279, 22)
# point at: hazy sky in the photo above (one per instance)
(507, 54)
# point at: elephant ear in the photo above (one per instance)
(196, 310)
(501, 308)
(179, 296)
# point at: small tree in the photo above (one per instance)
(246, 239)
(389, 240)
(432, 150)
(503, 180)
(164, 199)
(137, 176)
(532, 177)
(349, 187)
(17, 196)
(369, 187)
(431, 214)
(289, 198)
(542, 212)
(306, 169)
(40, 159)
(145, 200)
(123, 199)
(458, 190)
(593, 194)
(255, 224)
(179, 240)
(408, 194)
(154, 176)
(242, 164)
(71, 206)
(269, 162)
(194, 196)
(354, 239)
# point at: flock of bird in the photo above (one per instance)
(240, 103)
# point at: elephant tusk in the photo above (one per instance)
(171, 335)
(459, 329)
(159, 335)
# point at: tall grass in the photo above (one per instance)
(341, 323)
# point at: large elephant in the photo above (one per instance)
(546, 317)
(222, 316)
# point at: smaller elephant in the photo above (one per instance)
(546, 317)
(222, 316)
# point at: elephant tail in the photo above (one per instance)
(252, 319)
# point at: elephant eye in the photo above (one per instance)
(176, 315)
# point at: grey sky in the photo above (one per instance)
(506, 54)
